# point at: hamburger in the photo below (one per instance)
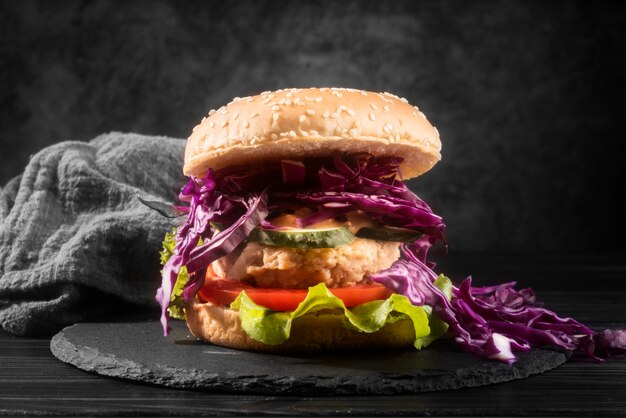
(300, 234)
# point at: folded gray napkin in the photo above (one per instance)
(75, 242)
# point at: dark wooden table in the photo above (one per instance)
(591, 288)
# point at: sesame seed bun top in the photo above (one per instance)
(300, 123)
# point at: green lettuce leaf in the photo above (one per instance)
(271, 327)
(177, 304)
(437, 327)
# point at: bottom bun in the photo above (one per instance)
(322, 331)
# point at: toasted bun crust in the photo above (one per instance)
(309, 333)
(299, 123)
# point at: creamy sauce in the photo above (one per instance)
(356, 220)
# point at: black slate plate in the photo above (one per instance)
(135, 349)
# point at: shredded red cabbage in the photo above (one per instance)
(363, 183)
(207, 206)
(496, 321)
(293, 172)
(492, 322)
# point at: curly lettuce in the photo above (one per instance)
(272, 327)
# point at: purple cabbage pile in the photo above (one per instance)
(491, 322)
(496, 321)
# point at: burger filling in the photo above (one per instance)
(297, 237)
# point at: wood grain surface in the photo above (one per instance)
(592, 289)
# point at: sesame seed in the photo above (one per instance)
(292, 134)
(309, 99)
(275, 117)
(246, 124)
(236, 99)
(372, 117)
(403, 100)
(326, 114)
(363, 93)
(275, 108)
(252, 141)
(302, 118)
(318, 100)
(386, 108)
(224, 124)
(313, 132)
(354, 132)
(274, 137)
(310, 112)
(350, 112)
(266, 92)
(266, 101)
(211, 112)
(254, 115)
(289, 94)
(282, 134)
(334, 115)
(288, 102)
(281, 101)
(391, 139)
(436, 130)
(423, 116)
(304, 133)
(338, 130)
(249, 99)
(212, 124)
(373, 106)
(236, 116)
(398, 137)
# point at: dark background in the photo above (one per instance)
(529, 96)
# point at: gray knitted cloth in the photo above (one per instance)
(74, 240)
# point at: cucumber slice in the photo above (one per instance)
(388, 234)
(303, 238)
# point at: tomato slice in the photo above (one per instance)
(224, 292)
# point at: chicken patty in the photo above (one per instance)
(294, 268)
